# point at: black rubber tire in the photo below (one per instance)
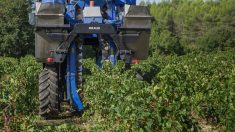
(48, 93)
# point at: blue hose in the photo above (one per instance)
(71, 80)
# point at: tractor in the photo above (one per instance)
(118, 30)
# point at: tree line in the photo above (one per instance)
(184, 26)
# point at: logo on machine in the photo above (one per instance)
(94, 28)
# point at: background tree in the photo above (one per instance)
(196, 25)
(16, 35)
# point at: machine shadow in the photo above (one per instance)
(148, 76)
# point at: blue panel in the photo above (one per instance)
(54, 1)
(129, 2)
(81, 4)
(111, 11)
(100, 2)
(70, 15)
(93, 19)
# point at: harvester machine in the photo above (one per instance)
(116, 29)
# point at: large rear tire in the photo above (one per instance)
(48, 93)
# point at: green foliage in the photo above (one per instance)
(178, 93)
(16, 36)
(168, 44)
(7, 65)
(18, 96)
(183, 91)
(200, 84)
(221, 38)
(194, 25)
(188, 93)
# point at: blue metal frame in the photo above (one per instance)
(54, 1)
(72, 69)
